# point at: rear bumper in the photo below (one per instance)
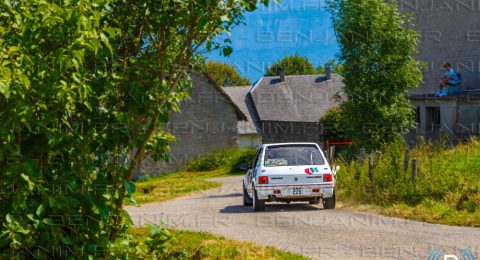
(286, 192)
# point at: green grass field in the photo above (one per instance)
(201, 245)
(446, 190)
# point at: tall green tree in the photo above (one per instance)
(85, 86)
(376, 47)
(293, 65)
(226, 75)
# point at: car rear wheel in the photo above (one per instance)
(329, 203)
(247, 201)
(258, 205)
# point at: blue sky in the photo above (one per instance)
(270, 33)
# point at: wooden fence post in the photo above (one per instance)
(370, 170)
(332, 153)
(406, 160)
(414, 170)
(362, 155)
(360, 160)
(414, 174)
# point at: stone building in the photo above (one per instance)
(450, 32)
(208, 121)
(452, 117)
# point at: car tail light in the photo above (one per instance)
(327, 177)
(276, 192)
(263, 180)
(315, 190)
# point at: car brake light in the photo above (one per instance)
(276, 192)
(327, 178)
(263, 180)
(315, 190)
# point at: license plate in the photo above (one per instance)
(297, 191)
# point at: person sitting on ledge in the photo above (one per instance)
(450, 78)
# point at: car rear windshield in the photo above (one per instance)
(292, 155)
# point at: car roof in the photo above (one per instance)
(276, 144)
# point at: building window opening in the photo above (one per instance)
(433, 117)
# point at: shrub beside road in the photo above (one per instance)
(229, 159)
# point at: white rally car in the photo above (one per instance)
(289, 172)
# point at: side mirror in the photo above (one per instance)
(244, 166)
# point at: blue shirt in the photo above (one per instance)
(452, 76)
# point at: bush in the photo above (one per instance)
(230, 159)
(147, 246)
(333, 127)
(244, 156)
(209, 162)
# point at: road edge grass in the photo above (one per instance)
(169, 186)
(431, 211)
(445, 188)
(202, 245)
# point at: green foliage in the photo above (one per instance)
(230, 158)
(242, 157)
(448, 177)
(332, 124)
(225, 75)
(376, 48)
(152, 245)
(202, 245)
(335, 67)
(212, 161)
(293, 65)
(84, 87)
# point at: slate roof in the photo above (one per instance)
(302, 98)
(240, 115)
(240, 96)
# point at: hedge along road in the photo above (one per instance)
(306, 229)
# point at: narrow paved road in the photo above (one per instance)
(306, 229)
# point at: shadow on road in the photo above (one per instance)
(223, 196)
(235, 209)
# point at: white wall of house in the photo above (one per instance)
(250, 140)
